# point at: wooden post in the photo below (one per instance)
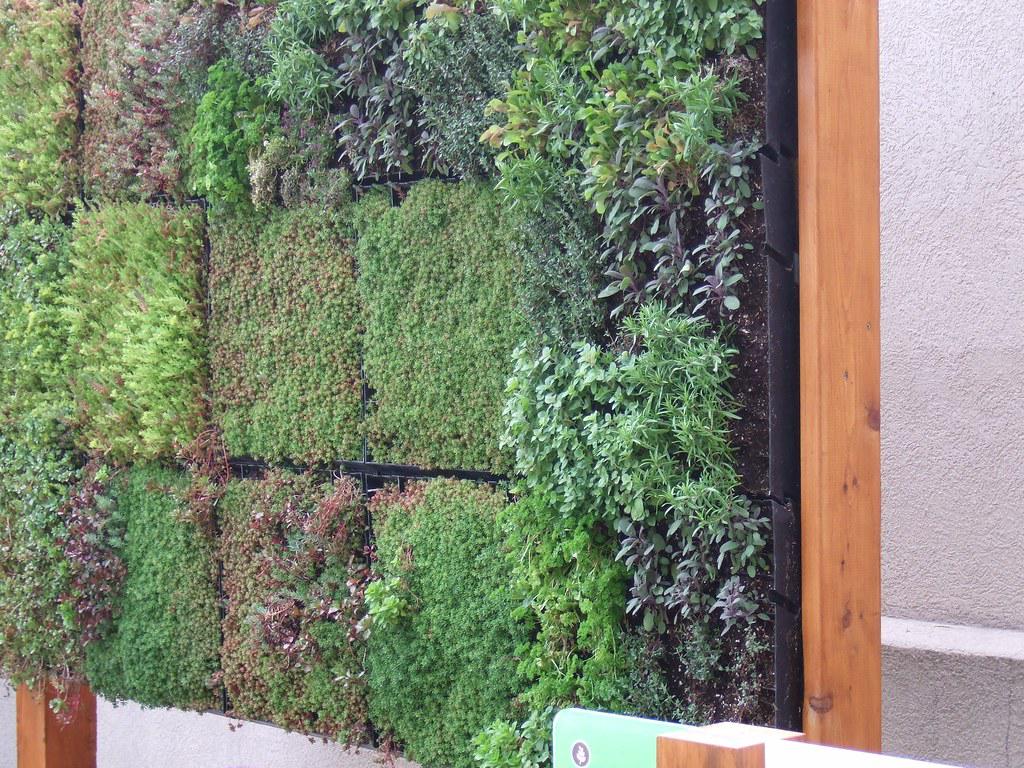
(45, 741)
(837, 43)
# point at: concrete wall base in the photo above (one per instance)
(130, 736)
(953, 693)
(8, 727)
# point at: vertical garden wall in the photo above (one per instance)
(391, 371)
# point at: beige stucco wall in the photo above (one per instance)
(952, 127)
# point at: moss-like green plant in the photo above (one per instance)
(292, 548)
(441, 288)
(163, 648)
(136, 343)
(38, 105)
(443, 667)
(285, 335)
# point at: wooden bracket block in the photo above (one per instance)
(723, 745)
(47, 740)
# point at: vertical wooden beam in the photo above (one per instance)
(837, 42)
(46, 740)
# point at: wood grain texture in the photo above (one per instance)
(45, 740)
(723, 745)
(839, 370)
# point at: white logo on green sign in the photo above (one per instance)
(581, 754)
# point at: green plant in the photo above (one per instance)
(385, 604)
(209, 33)
(445, 668)
(625, 99)
(37, 638)
(627, 469)
(232, 120)
(440, 285)
(570, 592)
(134, 113)
(36, 469)
(457, 62)
(163, 648)
(342, 59)
(642, 439)
(294, 571)
(660, 30)
(90, 541)
(38, 107)
(297, 169)
(35, 261)
(563, 267)
(285, 334)
(136, 348)
(299, 76)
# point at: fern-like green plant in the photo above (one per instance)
(38, 103)
(135, 327)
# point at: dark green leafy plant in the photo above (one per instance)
(342, 59)
(163, 648)
(627, 99)
(440, 286)
(36, 637)
(444, 668)
(563, 267)
(136, 347)
(456, 62)
(570, 593)
(627, 464)
(217, 32)
(294, 573)
(38, 106)
(661, 30)
(232, 120)
(285, 334)
(642, 439)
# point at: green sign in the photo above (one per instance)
(584, 739)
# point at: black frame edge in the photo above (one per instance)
(778, 168)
